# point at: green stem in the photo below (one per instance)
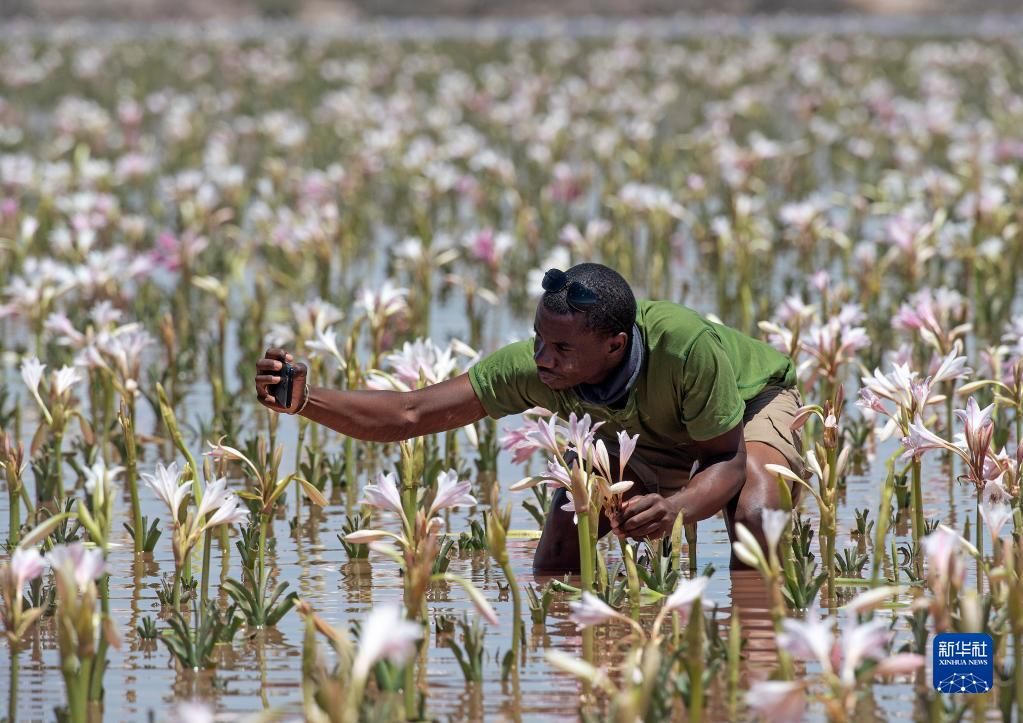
(262, 560)
(104, 416)
(222, 355)
(12, 695)
(94, 680)
(409, 691)
(949, 416)
(979, 537)
(734, 660)
(14, 516)
(883, 520)
(76, 681)
(298, 460)
(655, 562)
(633, 577)
(690, 528)
(350, 483)
(586, 573)
(207, 545)
(58, 472)
(176, 590)
(694, 635)
(131, 474)
(777, 616)
(516, 611)
(1017, 655)
(918, 510)
(585, 552)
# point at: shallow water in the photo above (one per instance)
(264, 670)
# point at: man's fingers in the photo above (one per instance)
(268, 401)
(263, 381)
(636, 505)
(642, 520)
(268, 365)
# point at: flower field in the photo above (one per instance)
(384, 207)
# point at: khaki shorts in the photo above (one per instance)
(767, 419)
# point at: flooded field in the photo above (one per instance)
(384, 207)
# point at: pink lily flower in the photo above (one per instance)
(383, 495)
(451, 493)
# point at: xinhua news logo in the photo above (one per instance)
(963, 663)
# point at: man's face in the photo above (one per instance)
(567, 353)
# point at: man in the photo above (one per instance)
(711, 406)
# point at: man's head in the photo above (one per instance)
(583, 325)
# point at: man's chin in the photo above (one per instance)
(553, 383)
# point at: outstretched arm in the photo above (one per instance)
(374, 416)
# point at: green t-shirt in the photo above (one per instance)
(694, 383)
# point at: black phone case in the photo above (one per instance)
(282, 390)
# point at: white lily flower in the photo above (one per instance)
(32, 373)
(383, 495)
(995, 507)
(214, 494)
(685, 594)
(943, 550)
(99, 479)
(386, 635)
(774, 522)
(601, 459)
(231, 511)
(65, 378)
(868, 641)
(77, 563)
(165, 484)
(590, 610)
(626, 446)
(326, 343)
(808, 640)
(451, 493)
(26, 565)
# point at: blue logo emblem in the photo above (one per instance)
(963, 663)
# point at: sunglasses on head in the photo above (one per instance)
(578, 296)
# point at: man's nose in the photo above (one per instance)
(542, 359)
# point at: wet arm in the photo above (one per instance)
(384, 416)
(719, 477)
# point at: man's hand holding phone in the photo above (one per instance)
(280, 383)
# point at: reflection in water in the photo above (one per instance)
(264, 671)
(750, 600)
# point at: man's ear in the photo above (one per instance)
(617, 343)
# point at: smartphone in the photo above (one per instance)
(282, 389)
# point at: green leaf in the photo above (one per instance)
(41, 531)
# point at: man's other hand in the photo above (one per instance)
(266, 375)
(644, 516)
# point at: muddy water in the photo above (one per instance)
(263, 670)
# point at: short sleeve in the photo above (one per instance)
(506, 382)
(711, 403)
